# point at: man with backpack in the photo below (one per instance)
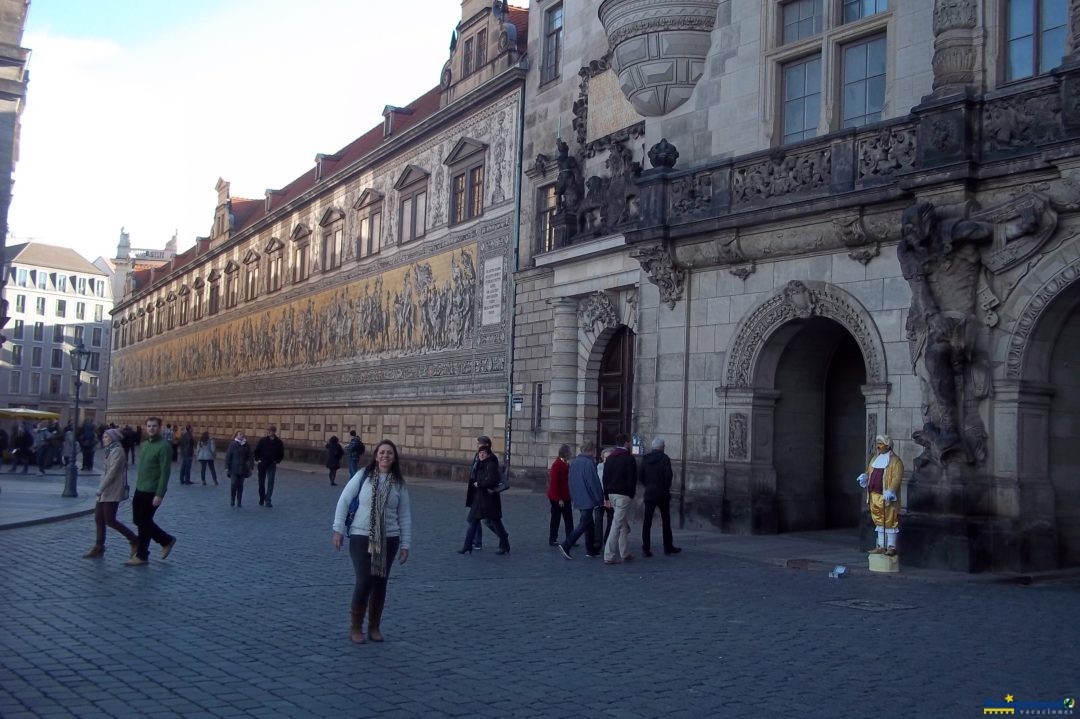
(354, 450)
(268, 453)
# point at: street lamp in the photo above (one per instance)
(80, 359)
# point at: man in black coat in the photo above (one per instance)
(620, 482)
(655, 473)
(268, 453)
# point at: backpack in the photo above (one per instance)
(354, 504)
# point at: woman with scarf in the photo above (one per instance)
(334, 453)
(882, 484)
(381, 528)
(112, 490)
(239, 462)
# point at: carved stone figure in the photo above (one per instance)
(661, 270)
(941, 262)
(568, 189)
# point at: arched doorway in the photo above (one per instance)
(1064, 377)
(615, 390)
(819, 430)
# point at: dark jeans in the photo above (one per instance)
(585, 526)
(267, 473)
(213, 472)
(354, 466)
(130, 452)
(43, 458)
(370, 588)
(142, 513)
(602, 527)
(333, 475)
(236, 490)
(665, 522)
(87, 458)
(185, 469)
(21, 456)
(495, 525)
(105, 516)
(566, 514)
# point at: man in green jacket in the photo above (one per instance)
(155, 462)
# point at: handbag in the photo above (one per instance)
(354, 504)
(504, 483)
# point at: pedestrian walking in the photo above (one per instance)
(23, 448)
(558, 494)
(169, 435)
(239, 461)
(380, 527)
(43, 447)
(354, 450)
(185, 447)
(334, 453)
(487, 502)
(585, 494)
(112, 490)
(268, 454)
(151, 482)
(655, 474)
(88, 440)
(68, 444)
(882, 484)
(620, 484)
(206, 453)
(470, 490)
(605, 510)
(131, 441)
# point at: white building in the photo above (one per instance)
(55, 299)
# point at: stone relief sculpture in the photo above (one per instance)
(597, 312)
(433, 310)
(940, 260)
(782, 175)
(568, 185)
(658, 266)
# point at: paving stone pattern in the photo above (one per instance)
(248, 617)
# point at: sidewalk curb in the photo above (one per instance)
(47, 520)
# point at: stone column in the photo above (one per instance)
(749, 504)
(1070, 75)
(563, 397)
(954, 46)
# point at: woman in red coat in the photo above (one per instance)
(558, 493)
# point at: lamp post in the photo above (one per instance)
(80, 358)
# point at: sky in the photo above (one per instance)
(135, 108)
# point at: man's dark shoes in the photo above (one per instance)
(269, 504)
(594, 555)
(646, 553)
(261, 501)
(166, 549)
(672, 550)
(564, 552)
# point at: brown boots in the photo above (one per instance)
(95, 552)
(356, 627)
(374, 617)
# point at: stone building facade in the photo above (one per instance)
(768, 232)
(373, 292)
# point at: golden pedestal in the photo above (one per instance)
(884, 563)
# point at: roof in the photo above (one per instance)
(52, 257)
(519, 17)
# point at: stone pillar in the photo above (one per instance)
(954, 46)
(563, 396)
(1069, 72)
(749, 504)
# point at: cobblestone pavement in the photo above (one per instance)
(248, 617)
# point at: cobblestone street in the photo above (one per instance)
(249, 617)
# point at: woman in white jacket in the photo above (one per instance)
(380, 529)
(112, 490)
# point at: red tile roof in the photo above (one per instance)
(519, 16)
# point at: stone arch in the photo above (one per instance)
(801, 300)
(600, 316)
(1033, 325)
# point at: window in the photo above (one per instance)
(42, 279)
(35, 383)
(17, 330)
(538, 406)
(546, 201)
(99, 313)
(95, 362)
(61, 283)
(16, 355)
(251, 281)
(22, 277)
(80, 335)
(370, 230)
(170, 316)
(863, 81)
(481, 49)
(331, 248)
(80, 283)
(20, 303)
(414, 213)
(15, 383)
(39, 331)
(185, 302)
(54, 384)
(553, 30)
(35, 356)
(58, 334)
(39, 305)
(468, 194)
(1035, 37)
(92, 387)
(61, 308)
(95, 337)
(858, 9)
(57, 360)
(802, 18)
(99, 288)
(274, 281)
(467, 58)
(80, 311)
(159, 316)
(215, 298)
(197, 309)
(232, 288)
(300, 263)
(802, 98)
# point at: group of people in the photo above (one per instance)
(606, 491)
(48, 444)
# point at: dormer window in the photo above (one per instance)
(333, 234)
(467, 58)
(481, 49)
(388, 118)
(412, 192)
(369, 219)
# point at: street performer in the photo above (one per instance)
(882, 483)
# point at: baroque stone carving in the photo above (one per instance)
(871, 433)
(597, 312)
(658, 49)
(865, 244)
(1022, 226)
(612, 200)
(885, 153)
(951, 14)
(939, 256)
(1021, 121)
(744, 271)
(568, 185)
(801, 300)
(659, 267)
(691, 195)
(1029, 317)
(663, 154)
(782, 175)
(737, 436)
